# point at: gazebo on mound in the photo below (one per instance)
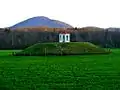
(62, 47)
(64, 36)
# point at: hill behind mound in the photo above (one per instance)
(73, 48)
(41, 21)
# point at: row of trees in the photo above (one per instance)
(12, 39)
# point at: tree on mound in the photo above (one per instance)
(73, 48)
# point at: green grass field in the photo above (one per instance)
(87, 72)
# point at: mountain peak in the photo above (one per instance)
(39, 17)
(39, 21)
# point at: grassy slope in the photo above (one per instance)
(98, 72)
(62, 49)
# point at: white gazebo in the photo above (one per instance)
(64, 36)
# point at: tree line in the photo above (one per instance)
(16, 39)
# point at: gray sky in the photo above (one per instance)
(78, 13)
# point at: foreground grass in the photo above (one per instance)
(91, 72)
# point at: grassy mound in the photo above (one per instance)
(73, 48)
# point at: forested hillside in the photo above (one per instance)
(24, 37)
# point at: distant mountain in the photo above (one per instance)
(41, 21)
(92, 28)
(113, 29)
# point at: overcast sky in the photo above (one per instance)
(78, 13)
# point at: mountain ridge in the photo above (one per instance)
(41, 21)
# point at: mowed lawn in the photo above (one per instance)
(87, 72)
